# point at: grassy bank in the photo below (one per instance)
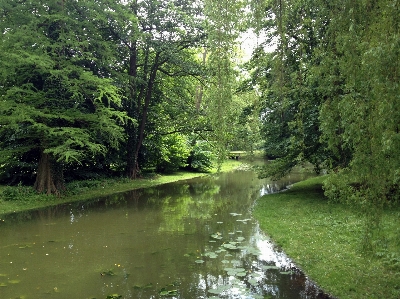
(324, 239)
(26, 199)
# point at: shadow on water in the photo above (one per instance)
(189, 239)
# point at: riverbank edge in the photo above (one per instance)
(324, 241)
(23, 205)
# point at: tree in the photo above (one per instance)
(288, 87)
(223, 26)
(331, 93)
(57, 107)
(364, 116)
(152, 39)
(246, 132)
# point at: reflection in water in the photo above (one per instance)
(271, 188)
(190, 239)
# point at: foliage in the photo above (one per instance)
(360, 120)
(336, 189)
(287, 86)
(223, 26)
(330, 95)
(20, 193)
(55, 108)
(201, 156)
(367, 110)
(90, 91)
(154, 41)
(172, 153)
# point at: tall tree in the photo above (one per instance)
(152, 37)
(288, 87)
(56, 105)
(364, 118)
(332, 88)
(224, 24)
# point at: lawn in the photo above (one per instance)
(324, 239)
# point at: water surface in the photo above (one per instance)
(190, 239)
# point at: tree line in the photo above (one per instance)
(115, 87)
(330, 93)
(106, 88)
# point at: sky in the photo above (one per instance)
(249, 41)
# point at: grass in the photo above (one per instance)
(324, 240)
(27, 199)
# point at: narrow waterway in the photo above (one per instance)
(189, 239)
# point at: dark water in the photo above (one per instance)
(190, 239)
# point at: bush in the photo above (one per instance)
(201, 157)
(173, 153)
(19, 192)
(340, 187)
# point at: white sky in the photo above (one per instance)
(248, 42)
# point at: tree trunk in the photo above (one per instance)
(49, 177)
(143, 121)
(133, 104)
(132, 110)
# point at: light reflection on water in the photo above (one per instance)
(269, 253)
(150, 239)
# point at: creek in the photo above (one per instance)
(189, 239)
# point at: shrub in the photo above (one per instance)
(173, 153)
(201, 157)
(19, 192)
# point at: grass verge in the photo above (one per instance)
(324, 240)
(26, 199)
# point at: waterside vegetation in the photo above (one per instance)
(326, 240)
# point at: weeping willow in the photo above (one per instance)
(223, 24)
(367, 112)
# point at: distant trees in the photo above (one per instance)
(222, 24)
(287, 86)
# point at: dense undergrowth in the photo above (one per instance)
(327, 241)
